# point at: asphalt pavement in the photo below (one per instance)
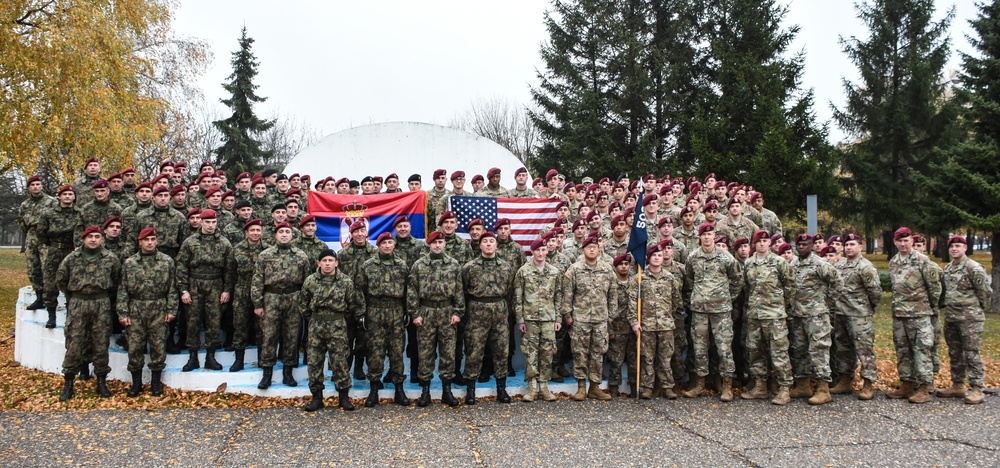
(623, 432)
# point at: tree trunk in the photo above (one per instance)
(995, 251)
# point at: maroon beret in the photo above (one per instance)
(243, 175)
(665, 188)
(501, 222)
(284, 225)
(206, 164)
(378, 179)
(211, 191)
(90, 160)
(668, 242)
(193, 212)
(492, 172)
(457, 174)
(117, 175)
(158, 189)
(549, 235)
(592, 215)
(622, 258)
(113, 219)
(617, 219)
(445, 216)
(343, 180)
(685, 210)
(556, 230)
(477, 177)
(653, 249)
(826, 250)
(852, 237)
(360, 224)
(257, 181)
(488, 235)
(520, 170)
(147, 232)
(128, 170)
(382, 237)
(732, 201)
(253, 222)
(723, 239)
(775, 237)
(34, 178)
(65, 188)
(577, 224)
(90, 230)
(804, 237)
(440, 173)
(143, 185)
(591, 239)
(392, 176)
(628, 211)
(307, 219)
(476, 222)
(568, 187)
(292, 191)
(956, 240)
(784, 248)
(758, 235)
(177, 189)
(207, 214)
(537, 244)
(664, 220)
(901, 233)
(228, 193)
(650, 198)
(740, 241)
(101, 183)
(435, 235)
(705, 227)
(834, 238)
(818, 236)
(919, 239)
(711, 205)
(550, 174)
(400, 219)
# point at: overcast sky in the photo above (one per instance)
(332, 65)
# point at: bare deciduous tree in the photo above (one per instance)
(504, 121)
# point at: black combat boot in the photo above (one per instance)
(265, 381)
(192, 363)
(502, 396)
(136, 387)
(85, 371)
(372, 399)
(67, 392)
(173, 347)
(345, 399)
(286, 376)
(155, 384)
(359, 368)
(316, 402)
(38, 304)
(446, 396)
(51, 323)
(102, 386)
(470, 392)
(210, 362)
(400, 397)
(238, 363)
(425, 394)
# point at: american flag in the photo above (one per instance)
(527, 215)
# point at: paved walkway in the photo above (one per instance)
(701, 432)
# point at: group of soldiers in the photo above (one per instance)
(721, 301)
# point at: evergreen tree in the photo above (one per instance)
(240, 150)
(896, 113)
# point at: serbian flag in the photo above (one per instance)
(335, 214)
(527, 215)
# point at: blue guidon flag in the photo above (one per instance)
(527, 216)
(639, 238)
(335, 214)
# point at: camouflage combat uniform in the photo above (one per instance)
(171, 229)
(325, 302)
(350, 261)
(147, 294)
(770, 288)
(83, 186)
(276, 286)
(967, 296)
(915, 286)
(382, 280)
(810, 325)
(434, 293)
(95, 213)
(312, 246)
(661, 299)
(59, 230)
(203, 271)
(234, 230)
(537, 296)
(621, 340)
(590, 294)
(487, 283)
(28, 216)
(88, 278)
(854, 331)
(242, 263)
(715, 279)
(130, 218)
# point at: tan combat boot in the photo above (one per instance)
(905, 390)
(975, 396)
(956, 390)
(822, 394)
(726, 395)
(759, 391)
(581, 391)
(546, 393)
(529, 395)
(613, 391)
(782, 398)
(922, 395)
(645, 394)
(867, 391)
(596, 392)
(843, 385)
(669, 393)
(801, 389)
(699, 386)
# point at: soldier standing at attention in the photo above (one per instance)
(920, 246)
(511, 252)
(28, 217)
(274, 291)
(967, 296)
(328, 296)
(537, 296)
(410, 249)
(621, 339)
(351, 259)
(590, 301)
(88, 277)
(205, 281)
(308, 242)
(58, 229)
(487, 281)
(521, 189)
(82, 185)
(382, 281)
(915, 287)
(716, 280)
(854, 331)
(459, 249)
(143, 200)
(242, 264)
(493, 187)
(147, 301)
(661, 298)
(437, 196)
(435, 300)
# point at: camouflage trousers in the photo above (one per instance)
(53, 257)
(810, 346)
(855, 340)
(677, 364)
(621, 350)
(657, 351)
(709, 328)
(386, 337)
(589, 343)
(88, 323)
(149, 326)
(964, 340)
(539, 346)
(206, 309)
(913, 339)
(938, 331)
(245, 323)
(436, 342)
(768, 339)
(281, 322)
(486, 328)
(34, 253)
(328, 338)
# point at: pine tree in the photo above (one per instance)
(240, 150)
(896, 113)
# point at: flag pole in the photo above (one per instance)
(638, 338)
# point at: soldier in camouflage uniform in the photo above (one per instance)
(966, 298)
(234, 231)
(437, 196)
(716, 280)
(242, 263)
(512, 253)
(677, 362)
(121, 197)
(735, 225)
(82, 185)
(435, 301)
(920, 246)
(537, 296)
(274, 291)
(590, 300)
(770, 221)
(170, 225)
(770, 288)
(810, 327)
(410, 249)
(521, 190)
(328, 297)
(459, 249)
(382, 280)
(88, 277)
(915, 287)
(487, 281)
(130, 215)
(28, 217)
(621, 339)
(687, 234)
(147, 301)
(660, 293)
(100, 208)
(308, 242)
(113, 240)
(854, 331)
(204, 280)
(351, 258)
(213, 201)
(493, 187)
(58, 230)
